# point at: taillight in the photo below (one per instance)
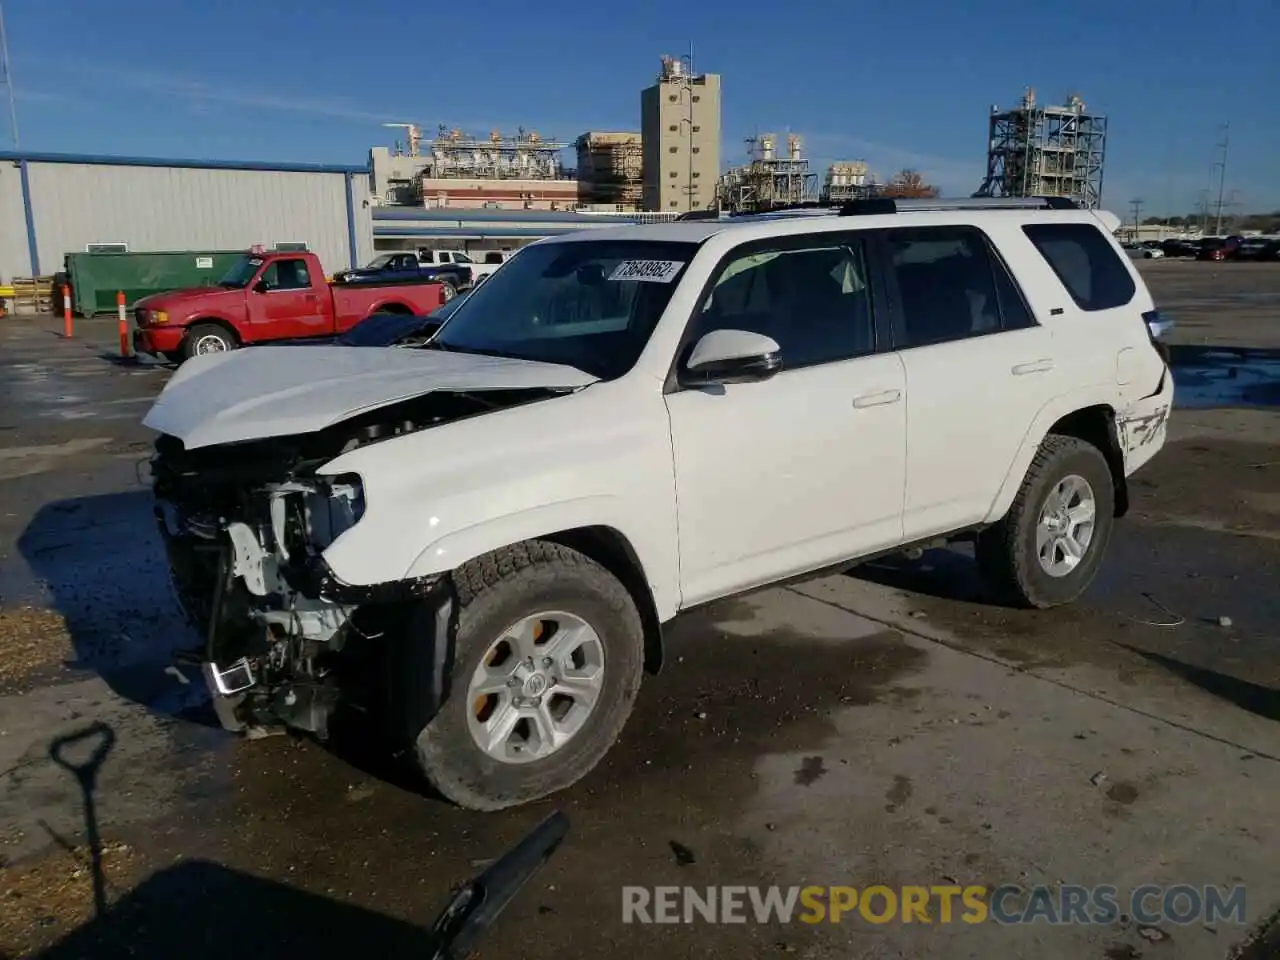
(1157, 329)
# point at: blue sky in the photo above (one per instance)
(899, 84)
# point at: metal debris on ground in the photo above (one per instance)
(1098, 778)
(684, 856)
(1174, 621)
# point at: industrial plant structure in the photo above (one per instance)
(680, 132)
(847, 180)
(769, 179)
(611, 170)
(1038, 150)
(459, 170)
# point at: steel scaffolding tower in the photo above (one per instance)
(1046, 151)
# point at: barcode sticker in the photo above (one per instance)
(650, 271)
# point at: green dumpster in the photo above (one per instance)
(96, 278)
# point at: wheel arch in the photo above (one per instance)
(213, 321)
(391, 306)
(1090, 418)
(611, 549)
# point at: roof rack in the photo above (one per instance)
(878, 206)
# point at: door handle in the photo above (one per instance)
(877, 399)
(1033, 366)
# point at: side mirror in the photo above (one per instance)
(261, 286)
(731, 356)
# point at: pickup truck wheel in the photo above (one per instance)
(549, 657)
(449, 291)
(1047, 549)
(207, 338)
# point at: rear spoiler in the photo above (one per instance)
(1108, 219)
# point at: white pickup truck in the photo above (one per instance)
(482, 265)
(627, 423)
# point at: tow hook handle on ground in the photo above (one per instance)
(475, 907)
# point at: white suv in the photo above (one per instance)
(479, 540)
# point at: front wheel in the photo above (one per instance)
(1047, 549)
(549, 658)
(207, 338)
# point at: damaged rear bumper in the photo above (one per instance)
(1143, 427)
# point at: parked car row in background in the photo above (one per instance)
(1212, 248)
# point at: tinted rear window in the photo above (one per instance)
(1085, 262)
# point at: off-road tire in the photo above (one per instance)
(1006, 551)
(493, 592)
(202, 330)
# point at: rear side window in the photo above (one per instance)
(1085, 262)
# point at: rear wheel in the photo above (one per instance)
(1047, 549)
(206, 338)
(548, 663)
(449, 291)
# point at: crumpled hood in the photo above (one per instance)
(252, 393)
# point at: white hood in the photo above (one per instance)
(277, 391)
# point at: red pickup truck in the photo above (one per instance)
(268, 296)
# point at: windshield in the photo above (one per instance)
(590, 304)
(377, 263)
(239, 276)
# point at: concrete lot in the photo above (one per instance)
(881, 727)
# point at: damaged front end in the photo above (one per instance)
(245, 527)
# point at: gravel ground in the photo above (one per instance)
(881, 726)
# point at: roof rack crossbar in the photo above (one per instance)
(877, 206)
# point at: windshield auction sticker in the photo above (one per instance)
(650, 271)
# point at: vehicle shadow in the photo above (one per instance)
(201, 910)
(102, 563)
(947, 573)
(1254, 698)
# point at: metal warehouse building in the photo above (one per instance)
(54, 204)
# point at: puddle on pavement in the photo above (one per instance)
(1225, 377)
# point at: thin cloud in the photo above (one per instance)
(181, 87)
(25, 95)
(201, 95)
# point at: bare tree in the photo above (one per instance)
(909, 184)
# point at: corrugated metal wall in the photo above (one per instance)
(360, 192)
(171, 208)
(13, 225)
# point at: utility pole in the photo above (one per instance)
(1137, 215)
(1221, 166)
(6, 77)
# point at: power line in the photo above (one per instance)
(6, 78)
(1221, 166)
